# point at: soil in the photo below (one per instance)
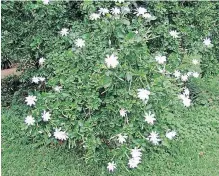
(10, 71)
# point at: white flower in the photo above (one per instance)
(111, 61)
(94, 16)
(46, 116)
(41, 61)
(160, 59)
(185, 99)
(122, 138)
(103, 11)
(35, 79)
(41, 79)
(207, 42)
(195, 61)
(149, 118)
(170, 134)
(80, 43)
(115, 11)
(196, 74)
(184, 78)
(154, 138)
(136, 153)
(181, 96)
(123, 112)
(60, 135)
(29, 120)
(133, 162)
(174, 34)
(125, 10)
(147, 15)
(57, 88)
(177, 73)
(136, 32)
(140, 11)
(64, 32)
(143, 94)
(186, 92)
(45, 1)
(111, 166)
(31, 100)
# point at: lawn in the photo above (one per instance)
(194, 153)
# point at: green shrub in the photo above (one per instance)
(87, 109)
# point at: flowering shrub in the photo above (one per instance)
(112, 87)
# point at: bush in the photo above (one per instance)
(91, 97)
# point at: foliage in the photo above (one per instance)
(88, 106)
(9, 86)
(28, 28)
(197, 144)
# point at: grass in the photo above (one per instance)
(194, 153)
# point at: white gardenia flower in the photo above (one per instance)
(35, 79)
(154, 138)
(57, 88)
(60, 135)
(103, 11)
(186, 92)
(46, 116)
(195, 61)
(195, 74)
(64, 32)
(160, 59)
(149, 118)
(140, 11)
(136, 153)
(174, 34)
(170, 134)
(184, 78)
(122, 138)
(133, 162)
(45, 1)
(185, 99)
(111, 166)
(94, 16)
(111, 61)
(147, 15)
(123, 112)
(143, 94)
(115, 11)
(207, 42)
(177, 74)
(80, 43)
(31, 100)
(29, 120)
(41, 79)
(41, 61)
